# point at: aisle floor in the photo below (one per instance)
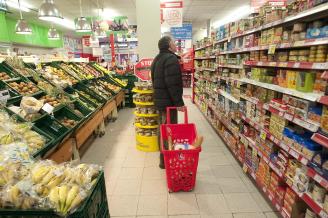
(136, 186)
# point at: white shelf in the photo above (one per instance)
(228, 96)
(306, 96)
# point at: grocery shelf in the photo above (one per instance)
(203, 47)
(306, 96)
(143, 103)
(315, 10)
(205, 58)
(142, 91)
(205, 69)
(146, 127)
(229, 79)
(231, 66)
(289, 64)
(145, 115)
(228, 96)
(295, 44)
(320, 139)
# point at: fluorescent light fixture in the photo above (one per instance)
(23, 5)
(82, 25)
(236, 14)
(48, 11)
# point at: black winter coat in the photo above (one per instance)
(167, 80)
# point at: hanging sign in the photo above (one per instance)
(184, 32)
(97, 52)
(187, 60)
(172, 13)
(142, 69)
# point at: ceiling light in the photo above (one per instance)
(23, 6)
(82, 25)
(22, 26)
(233, 16)
(108, 13)
(99, 33)
(49, 11)
(53, 34)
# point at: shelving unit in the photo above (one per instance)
(227, 94)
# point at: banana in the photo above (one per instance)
(62, 197)
(55, 181)
(46, 179)
(70, 197)
(39, 173)
(77, 200)
(54, 197)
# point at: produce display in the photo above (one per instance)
(69, 123)
(4, 76)
(44, 185)
(100, 90)
(88, 70)
(24, 88)
(89, 97)
(263, 91)
(69, 68)
(18, 65)
(58, 77)
(12, 132)
(109, 86)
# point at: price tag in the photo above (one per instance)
(294, 153)
(299, 43)
(48, 108)
(288, 117)
(264, 189)
(276, 141)
(304, 161)
(283, 146)
(296, 65)
(271, 138)
(245, 168)
(260, 63)
(254, 152)
(263, 135)
(317, 178)
(4, 96)
(270, 197)
(323, 214)
(278, 207)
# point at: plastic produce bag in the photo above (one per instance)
(31, 105)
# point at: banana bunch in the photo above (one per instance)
(65, 198)
(81, 175)
(34, 139)
(7, 139)
(14, 197)
(19, 128)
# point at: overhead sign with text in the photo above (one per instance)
(183, 33)
(172, 13)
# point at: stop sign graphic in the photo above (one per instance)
(142, 69)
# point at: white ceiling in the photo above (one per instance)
(195, 11)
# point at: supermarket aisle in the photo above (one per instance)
(136, 187)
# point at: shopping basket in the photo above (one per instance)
(180, 165)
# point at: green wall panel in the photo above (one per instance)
(39, 35)
(3, 28)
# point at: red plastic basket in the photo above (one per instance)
(180, 165)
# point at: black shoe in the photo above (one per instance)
(162, 166)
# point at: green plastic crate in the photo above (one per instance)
(77, 105)
(81, 87)
(95, 206)
(53, 128)
(66, 112)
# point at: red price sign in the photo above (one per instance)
(142, 69)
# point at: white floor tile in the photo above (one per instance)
(182, 204)
(123, 205)
(241, 203)
(154, 173)
(261, 202)
(152, 205)
(232, 185)
(211, 205)
(249, 215)
(224, 171)
(272, 215)
(127, 187)
(153, 187)
(207, 185)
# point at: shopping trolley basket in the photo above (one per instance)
(180, 165)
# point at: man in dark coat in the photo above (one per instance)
(167, 82)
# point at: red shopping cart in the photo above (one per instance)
(180, 165)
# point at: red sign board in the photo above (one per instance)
(142, 69)
(187, 60)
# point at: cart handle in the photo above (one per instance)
(168, 117)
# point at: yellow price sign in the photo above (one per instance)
(263, 135)
(245, 168)
(272, 49)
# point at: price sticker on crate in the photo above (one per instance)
(4, 96)
(48, 108)
(263, 135)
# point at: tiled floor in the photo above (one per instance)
(136, 187)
